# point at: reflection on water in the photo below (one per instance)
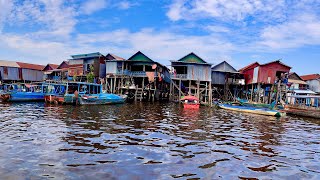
(153, 141)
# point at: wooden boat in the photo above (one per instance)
(253, 110)
(190, 102)
(303, 105)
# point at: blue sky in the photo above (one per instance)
(239, 32)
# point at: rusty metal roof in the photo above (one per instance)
(9, 63)
(30, 66)
(310, 77)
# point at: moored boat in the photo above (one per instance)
(23, 92)
(303, 105)
(191, 102)
(84, 93)
(253, 110)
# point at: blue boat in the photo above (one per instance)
(28, 92)
(85, 93)
(252, 110)
(23, 92)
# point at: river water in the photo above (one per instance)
(153, 141)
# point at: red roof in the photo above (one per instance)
(31, 66)
(277, 61)
(310, 77)
(244, 68)
(54, 66)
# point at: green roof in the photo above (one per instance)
(192, 58)
(90, 55)
(139, 56)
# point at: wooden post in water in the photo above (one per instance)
(251, 92)
(210, 94)
(198, 90)
(258, 92)
(180, 90)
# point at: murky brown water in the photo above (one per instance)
(153, 141)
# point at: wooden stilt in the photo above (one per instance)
(180, 90)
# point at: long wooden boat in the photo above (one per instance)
(303, 111)
(253, 110)
(303, 105)
(103, 98)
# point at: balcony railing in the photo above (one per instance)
(178, 76)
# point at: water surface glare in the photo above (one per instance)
(153, 141)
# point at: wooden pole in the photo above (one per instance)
(189, 88)
(170, 93)
(180, 90)
(251, 92)
(258, 92)
(210, 94)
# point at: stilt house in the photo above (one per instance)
(191, 75)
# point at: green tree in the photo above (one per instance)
(90, 75)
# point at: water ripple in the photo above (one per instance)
(153, 141)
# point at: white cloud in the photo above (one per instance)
(300, 31)
(125, 5)
(54, 17)
(234, 10)
(6, 6)
(175, 10)
(214, 28)
(91, 6)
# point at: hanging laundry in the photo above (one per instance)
(150, 76)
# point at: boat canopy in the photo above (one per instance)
(191, 98)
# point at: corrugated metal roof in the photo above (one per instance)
(224, 67)
(277, 61)
(139, 56)
(192, 58)
(9, 63)
(114, 57)
(89, 55)
(247, 67)
(310, 77)
(30, 66)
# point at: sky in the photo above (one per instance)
(237, 31)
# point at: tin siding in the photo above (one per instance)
(199, 72)
(111, 67)
(218, 77)
(102, 73)
(13, 74)
(32, 75)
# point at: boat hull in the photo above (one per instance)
(22, 97)
(252, 110)
(300, 111)
(191, 106)
(101, 99)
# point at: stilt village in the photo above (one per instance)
(140, 78)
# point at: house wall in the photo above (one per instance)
(199, 72)
(111, 67)
(32, 75)
(267, 73)
(10, 73)
(248, 75)
(218, 77)
(314, 85)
